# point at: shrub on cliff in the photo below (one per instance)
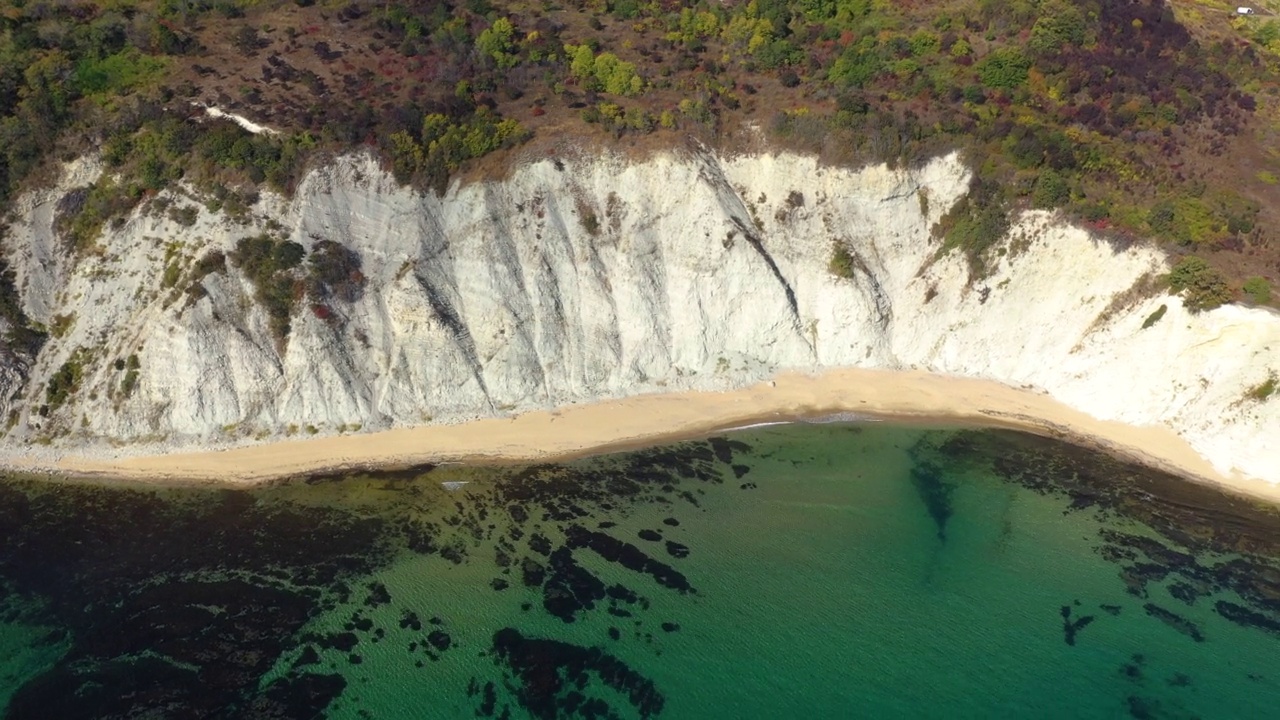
(842, 264)
(66, 381)
(1154, 317)
(975, 224)
(1265, 389)
(106, 200)
(23, 334)
(1202, 287)
(429, 157)
(334, 272)
(270, 265)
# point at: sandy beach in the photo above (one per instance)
(647, 419)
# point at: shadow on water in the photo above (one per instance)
(935, 491)
(934, 475)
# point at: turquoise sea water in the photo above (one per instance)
(789, 571)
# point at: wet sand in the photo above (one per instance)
(651, 419)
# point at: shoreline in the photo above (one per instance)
(607, 426)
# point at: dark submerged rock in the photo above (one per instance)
(1070, 628)
(439, 640)
(570, 588)
(626, 555)
(1175, 621)
(409, 621)
(1244, 616)
(551, 678)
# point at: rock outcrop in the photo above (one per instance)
(575, 280)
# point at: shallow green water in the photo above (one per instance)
(789, 571)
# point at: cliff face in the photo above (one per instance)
(578, 280)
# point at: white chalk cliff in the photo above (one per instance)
(704, 272)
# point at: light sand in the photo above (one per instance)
(646, 419)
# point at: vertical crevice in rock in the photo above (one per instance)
(709, 171)
(648, 263)
(448, 316)
(753, 238)
(610, 337)
(550, 324)
(875, 289)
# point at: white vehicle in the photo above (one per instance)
(1244, 11)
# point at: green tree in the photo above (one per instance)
(858, 65)
(1061, 23)
(1004, 69)
(1160, 218)
(47, 93)
(1186, 220)
(925, 43)
(496, 41)
(582, 62)
(1258, 290)
(407, 157)
(1051, 189)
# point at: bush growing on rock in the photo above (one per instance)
(184, 216)
(842, 263)
(334, 272)
(1265, 389)
(105, 201)
(23, 334)
(66, 381)
(130, 380)
(589, 221)
(214, 262)
(975, 225)
(1202, 287)
(1154, 317)
(444, 143)
(270, 265)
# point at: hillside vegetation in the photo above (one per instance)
(1141, 118)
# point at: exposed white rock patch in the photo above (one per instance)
(242, 121)
(703, 272)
